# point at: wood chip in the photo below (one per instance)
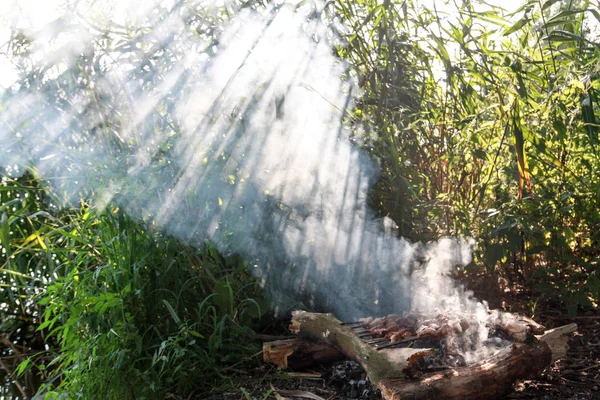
(300, 393)
(308, 375)
(277, 395)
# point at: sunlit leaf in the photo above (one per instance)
(549, 3)
(517, 26)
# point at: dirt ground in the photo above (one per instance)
(577, 376)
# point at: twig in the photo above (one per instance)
(298, 393)
(574, 317)
(15, 381)
(307, 375)
(579, 370)
(4, 340)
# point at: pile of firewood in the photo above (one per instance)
(392, 350)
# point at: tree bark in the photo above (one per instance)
(390, 369)
(489, 379)
(558, 340)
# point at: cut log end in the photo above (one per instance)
(296, 353)
(558, 340)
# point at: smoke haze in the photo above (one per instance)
(228, 129)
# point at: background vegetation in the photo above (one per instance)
(485, 124)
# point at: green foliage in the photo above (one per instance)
(128, 313)
(499, 137)
(104, 306)
(393, 70)
(485, 124)
(26, 266)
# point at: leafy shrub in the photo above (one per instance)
(486, 125)
(125, 312)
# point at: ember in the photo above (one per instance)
(444, 333)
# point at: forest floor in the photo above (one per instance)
(575, 377)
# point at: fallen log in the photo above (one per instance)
(394, 370)
(378, 364)
(489, 379)
(558, 340)
(520, 328)
(298, 353)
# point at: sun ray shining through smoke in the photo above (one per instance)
(238, 138)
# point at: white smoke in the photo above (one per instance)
(240, 140)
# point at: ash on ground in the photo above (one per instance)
(351, 381)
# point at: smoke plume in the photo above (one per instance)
(227, 126)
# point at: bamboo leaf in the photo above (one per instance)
(565, 13)
(589, 119)
(172, 312)
(537, 140)
(223, 296)
(560, 128)
(523, 168)
(562, 36)
(518, 25)
(5, 233)
(558, 22)
(549, 4)
(17, 274)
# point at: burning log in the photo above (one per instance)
(378, 364)
(520, 328)
(395, 327)
(399, 375)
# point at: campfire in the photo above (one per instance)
(421, 356)
(446, 335)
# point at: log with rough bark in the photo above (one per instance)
(378, 364)
(558, 340)
(298, 353)
(489, 379)
(519, 327)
